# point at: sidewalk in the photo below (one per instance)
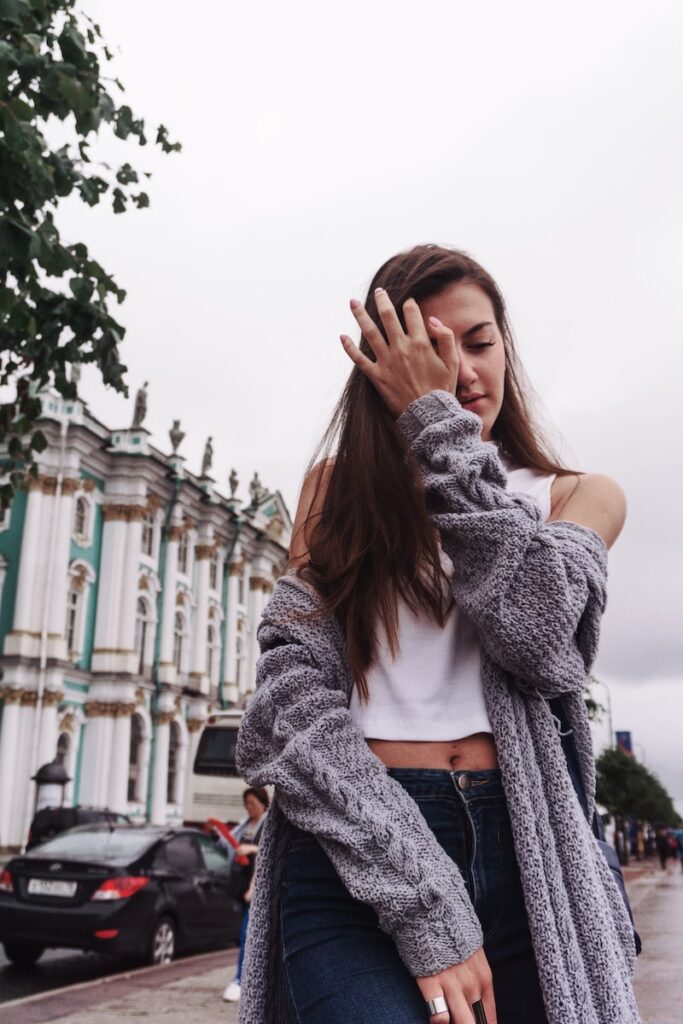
(186, 991)
(190, 990)
(657, 900)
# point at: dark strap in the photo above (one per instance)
(569, 748)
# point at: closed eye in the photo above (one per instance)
(483, 344)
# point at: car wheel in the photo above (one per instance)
(162, 942)
(23, 954)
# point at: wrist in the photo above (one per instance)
(427, 409)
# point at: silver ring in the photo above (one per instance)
(438, 1005)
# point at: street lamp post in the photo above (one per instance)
(610, 722)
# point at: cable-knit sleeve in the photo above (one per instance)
(535, 591)
(298, 735)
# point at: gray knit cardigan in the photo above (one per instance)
(535, 592)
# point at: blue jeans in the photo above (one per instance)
(341, 968)
(243, 939)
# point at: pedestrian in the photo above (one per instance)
(427, 856)
(247, 832)
(663, 847)
(679, 840)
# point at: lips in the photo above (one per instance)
(469, 403)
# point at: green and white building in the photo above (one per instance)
(130, 594)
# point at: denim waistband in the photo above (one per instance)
(470, 784)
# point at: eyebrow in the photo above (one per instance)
(477, 327)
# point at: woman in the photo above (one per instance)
(248, 832)
(427, 856)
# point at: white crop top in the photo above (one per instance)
(433, 690)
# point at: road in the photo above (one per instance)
(55, 969)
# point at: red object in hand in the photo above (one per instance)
(240, 858)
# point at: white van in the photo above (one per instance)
(214, 788)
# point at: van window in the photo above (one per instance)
(216, 751)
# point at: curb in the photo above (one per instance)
(47, 1006)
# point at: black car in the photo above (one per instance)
(144, 892)
(52, 820)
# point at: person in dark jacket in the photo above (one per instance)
(248, 832)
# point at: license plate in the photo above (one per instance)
(51, 887)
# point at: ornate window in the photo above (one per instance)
(213, 653)
(180, 643)
(238, 659)
(135, 759)
(81, 578)
(183, 553)
(213, 570)
(172, 788)
(142, 634)
(81, 517)
(72, 603)
(148, 534)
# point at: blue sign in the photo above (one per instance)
(624, 742)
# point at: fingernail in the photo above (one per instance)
(434, 320)
(378, 290)
(354, 303)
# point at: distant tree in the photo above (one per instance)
(626, 787)
(54, 297)
(594, 708)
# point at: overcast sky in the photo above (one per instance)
(318, 141)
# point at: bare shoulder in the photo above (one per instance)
(591, 499)
(310, 503)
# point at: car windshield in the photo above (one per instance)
(97, 843)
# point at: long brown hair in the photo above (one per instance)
(372, 538)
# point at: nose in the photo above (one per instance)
(467, 374)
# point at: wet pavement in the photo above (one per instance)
(191, 989)
(657, 902)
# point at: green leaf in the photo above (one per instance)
(15, 241)
(120, 199)
(39, 441)
(72, 45)
(162, 140)
(14, 11)
(125, 175)
(21, 110)
(82, 288)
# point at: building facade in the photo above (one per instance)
(130, 594)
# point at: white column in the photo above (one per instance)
(257, 601)
(24, 787)
(199, 679)
(110, 586)
(9, 740)
(116, 603)
(129, 584)
(230, 677)
(166, 667)
(63, 509)
(73, 728)
(26, 607)
(97, 744)
(47, 735)
(160, 777)
(118, 772)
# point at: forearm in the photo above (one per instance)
(297, 734)
(535, 591)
